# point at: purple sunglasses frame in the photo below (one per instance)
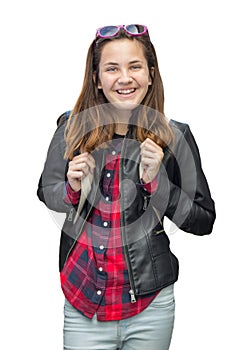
(124, 27)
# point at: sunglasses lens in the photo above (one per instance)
(108, 31)
(131, 29)
(135, 29)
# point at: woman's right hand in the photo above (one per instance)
(80, 167)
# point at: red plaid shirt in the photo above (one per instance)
(95, 277)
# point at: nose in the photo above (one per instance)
(125, 78)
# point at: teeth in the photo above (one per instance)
(125, 92)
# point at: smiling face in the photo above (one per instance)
(123, 73)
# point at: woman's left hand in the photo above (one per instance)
(151, 159)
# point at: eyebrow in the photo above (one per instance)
(116, 64)
(110, 64)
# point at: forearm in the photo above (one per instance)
(52, 183)
(53, 196)
(183, 193)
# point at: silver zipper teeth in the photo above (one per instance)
(145, 203)
(80, 231)
(131, 292)
(70, 215)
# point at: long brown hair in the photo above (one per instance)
(90, 124)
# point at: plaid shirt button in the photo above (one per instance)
(108, 174)
(99, 292)
(100, 269)
(113, 153)
(101, 247)
(105, 224)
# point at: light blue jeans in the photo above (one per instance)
(149, 330)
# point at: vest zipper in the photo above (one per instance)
(145, 202)
(81, 229)
(132, 295)
(131, 291)
(70, 215)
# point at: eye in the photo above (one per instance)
(111, 69)
(136, 67)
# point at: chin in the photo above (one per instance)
(125, 105)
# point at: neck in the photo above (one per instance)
(121, 129)
(121, 118)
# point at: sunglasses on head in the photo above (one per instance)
(131, 29)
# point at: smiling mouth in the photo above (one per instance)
(125, 91)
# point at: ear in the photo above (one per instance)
(99, 85)
(151, 75)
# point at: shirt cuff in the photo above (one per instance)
(71, 197)
(150, 187)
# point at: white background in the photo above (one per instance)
(43, 51)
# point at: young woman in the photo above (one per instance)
(116, 166)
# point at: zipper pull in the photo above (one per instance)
(133, 298)
(70, 215)
(145, 203)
